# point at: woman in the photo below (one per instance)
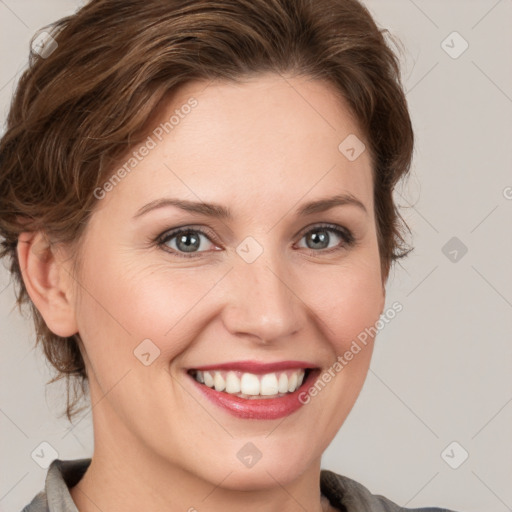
(200, 214)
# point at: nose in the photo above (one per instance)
(261, 302)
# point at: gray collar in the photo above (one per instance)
(345, 494)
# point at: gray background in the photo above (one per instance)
(441, 371)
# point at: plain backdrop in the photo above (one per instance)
(439, 388)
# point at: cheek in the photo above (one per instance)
(348, 300)
(125, 304)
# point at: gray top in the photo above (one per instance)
(345, 494)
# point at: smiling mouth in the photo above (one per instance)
(251, 385)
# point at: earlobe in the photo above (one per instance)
(48, 282)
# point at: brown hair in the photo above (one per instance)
(79, 108)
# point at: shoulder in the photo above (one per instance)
(351, 496)
(61, 476)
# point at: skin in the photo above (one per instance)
(261, 148)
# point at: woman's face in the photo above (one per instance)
(271, 275)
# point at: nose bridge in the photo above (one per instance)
(261, 301)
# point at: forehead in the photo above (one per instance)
(265, 140)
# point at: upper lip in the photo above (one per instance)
(256, 367)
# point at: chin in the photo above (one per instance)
(261, 476)
(276, 466)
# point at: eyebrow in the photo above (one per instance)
(218, 211)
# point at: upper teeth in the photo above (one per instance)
(235, 382)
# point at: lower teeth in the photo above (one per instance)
(252, 397)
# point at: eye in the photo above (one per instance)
(185, 241)
(189, 242)
(327, 237)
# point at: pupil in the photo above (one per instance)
(188, 242)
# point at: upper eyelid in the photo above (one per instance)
(189, 227)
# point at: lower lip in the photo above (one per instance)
(258, 409)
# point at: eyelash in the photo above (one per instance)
(343, 233)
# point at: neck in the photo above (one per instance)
(126, 475)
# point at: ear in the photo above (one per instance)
(383, 303)
(48, 282)
(384, 280)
